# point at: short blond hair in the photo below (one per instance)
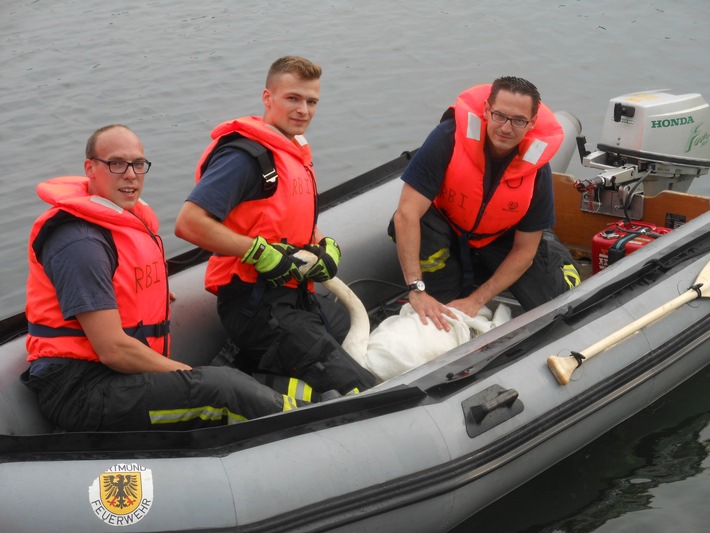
(296, 65)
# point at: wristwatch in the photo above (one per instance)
(417, 285)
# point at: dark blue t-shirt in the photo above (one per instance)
(426, 171)
(80, 260)
(233, 176)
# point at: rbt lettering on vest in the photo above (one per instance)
(454, 197)
(147, 275)
(301, 186)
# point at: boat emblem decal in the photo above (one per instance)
(122, 495)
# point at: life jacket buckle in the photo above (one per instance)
(270, 179)
(162, 328)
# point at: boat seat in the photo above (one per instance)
(196, 332)
(19, 410)
(197, 336)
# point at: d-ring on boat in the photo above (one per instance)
(424, 450)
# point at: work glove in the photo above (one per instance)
(272, 262)
(286, 248)
(328, 253)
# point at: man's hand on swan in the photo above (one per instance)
(469, 305)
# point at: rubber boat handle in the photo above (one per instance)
(505, 399)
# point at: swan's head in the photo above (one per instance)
(307, 258)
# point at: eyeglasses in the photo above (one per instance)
(500, 118)
(120, 167)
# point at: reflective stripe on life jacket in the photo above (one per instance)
(461, 197)
(289, 214)
(140, 281)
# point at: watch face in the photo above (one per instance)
(418, 286)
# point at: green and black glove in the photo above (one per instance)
(272, 261)
(328, 253)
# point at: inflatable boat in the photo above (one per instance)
(424, 450)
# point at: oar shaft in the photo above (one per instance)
(639, 323)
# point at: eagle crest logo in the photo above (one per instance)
(122, 495)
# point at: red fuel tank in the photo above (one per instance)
(621, 238)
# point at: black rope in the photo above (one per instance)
(696, 288)
(579, 357)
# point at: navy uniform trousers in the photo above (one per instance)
(552, 272)
(291, 332)
(78, 395)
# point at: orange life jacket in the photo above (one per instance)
(460, 199)
(140, 280)
(290, 213)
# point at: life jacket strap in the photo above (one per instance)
(148, 330)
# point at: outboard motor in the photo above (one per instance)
(651, 141)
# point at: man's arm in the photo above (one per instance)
(117, 350)
(233, 177)
(515, 264)
(407, 220)
(197, 226)
(80, 261)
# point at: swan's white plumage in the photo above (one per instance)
(401, 342)
(356, 341)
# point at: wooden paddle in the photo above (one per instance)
(562, 367)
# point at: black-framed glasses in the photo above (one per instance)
(120, 167)
(500, 118)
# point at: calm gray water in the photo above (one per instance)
(173, 69)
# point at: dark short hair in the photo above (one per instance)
(516, 85)
(296, 65)
(91, 143)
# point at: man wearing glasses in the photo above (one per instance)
(476, 208)
(98, 309)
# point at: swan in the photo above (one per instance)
(401, 342)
